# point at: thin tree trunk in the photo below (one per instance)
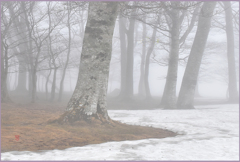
(46, 84)
(89, 97)
(4, 72)
(232, 79)
(149, 52)
(186, 94)
(53, 90)
(130, 59)
(53, 61)
(34, 81)
(34, 76)
(68, 53)
(169, 95)
(22, 76)
(123, 48)
(20, 32)
(141, 87)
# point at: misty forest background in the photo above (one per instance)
(41, 44)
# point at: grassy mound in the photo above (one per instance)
(30, 122)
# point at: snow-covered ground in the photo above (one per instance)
(207, 133)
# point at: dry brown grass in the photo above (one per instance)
(31, 123)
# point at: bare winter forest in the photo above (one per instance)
(65, 64)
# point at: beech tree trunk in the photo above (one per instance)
(146, 72)
(68, 52)
(130, 58)
(20, 32)
(232, 79)
(53, 89)
(141, 86)
(4, 72)
(122, 35)
(22, 75)
(169, 97)
(186, 94)
(47, 80)
(89, 97)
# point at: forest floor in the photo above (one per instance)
(25, 127)
(206, 133)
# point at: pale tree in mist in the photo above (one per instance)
(72, 19)
(20, 35)
(186, 94)
(127, 55)
(141, 86)
(123, 47)
(232, 80)
(175, 16)
(89, 97)
(5, 27)
(68, 50)
(145, 60)
(146, 69)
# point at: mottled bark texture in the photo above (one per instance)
(169, 98)
(186, 94)
(232, 79)
(89, 97)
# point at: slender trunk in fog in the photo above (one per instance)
(186, 94)
(122, 35)
(34, 74)
(46, 84)
(141, 87)
(68, 52)
(89, 98)
(146, 73)
(22, 76)
(52, 56)
(169, 95)
(232, 79)
(20, 32)
(4, 72)
(34, 81)
(53, 89)
(130, 59)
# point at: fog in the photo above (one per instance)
(122, 78)
(213, 76)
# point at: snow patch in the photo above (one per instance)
(206, 133)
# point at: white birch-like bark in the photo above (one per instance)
(89, 97)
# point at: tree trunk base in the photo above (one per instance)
(76, 117)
